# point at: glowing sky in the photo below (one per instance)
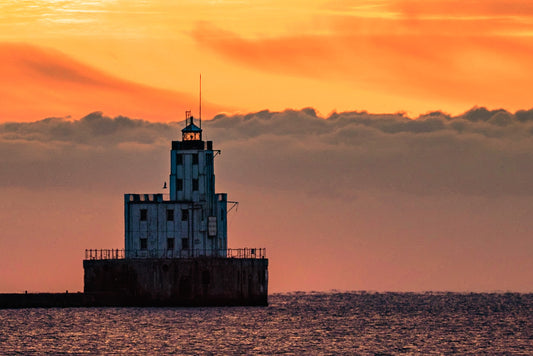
(375, 55)
(358, 201)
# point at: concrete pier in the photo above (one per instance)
(199, 281)
(43, 300)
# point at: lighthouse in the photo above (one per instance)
(176, 245)
(192, 220)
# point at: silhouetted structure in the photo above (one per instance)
(175, 251)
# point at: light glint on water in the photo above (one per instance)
(300, 323)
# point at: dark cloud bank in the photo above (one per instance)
(351, 201)
(481, 152)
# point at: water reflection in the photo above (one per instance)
(336, 323)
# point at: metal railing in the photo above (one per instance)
(107, 254)
(115, 254)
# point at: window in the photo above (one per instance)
(185, 243)
(179, 184)
(170, 214)
(170, 243)
(144, 214)
(179, 159)
(195, 158)
(184, 215)
(195, 184)
(191, 136)
(144, 243)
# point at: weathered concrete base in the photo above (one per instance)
(200, 281)
(43, 300)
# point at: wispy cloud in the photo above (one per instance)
(39, 80)
(467, 61)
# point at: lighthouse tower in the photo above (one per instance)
(176, 247)
(192, 220)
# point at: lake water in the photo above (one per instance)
(357, 323)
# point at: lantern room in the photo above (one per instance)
(191, 132)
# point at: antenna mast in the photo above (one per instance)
(200, 111)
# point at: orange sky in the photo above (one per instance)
(142, 59)
(380, 56)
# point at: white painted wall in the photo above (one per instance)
(200, 204)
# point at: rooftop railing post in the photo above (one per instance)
(106, 254)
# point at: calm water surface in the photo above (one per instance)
(302, 323)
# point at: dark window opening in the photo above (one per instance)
(144, 214)
(179, 159)
(179, 184)
(184, 215)
(222, 214)
(185, 243)
(170, 214)
(195, 158)
(195, 184)
(144, 243)
(170, 243)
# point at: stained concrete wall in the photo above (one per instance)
(44, 300)
(179, 282)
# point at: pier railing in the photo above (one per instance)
(116, 254)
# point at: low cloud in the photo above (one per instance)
(350, 201)
(481, 152)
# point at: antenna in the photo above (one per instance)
(200, 111)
